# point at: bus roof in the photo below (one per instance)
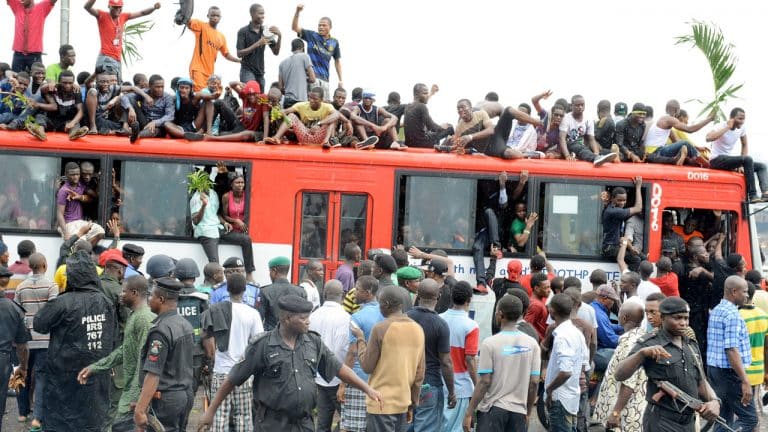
(415, 159)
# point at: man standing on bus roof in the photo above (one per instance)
(723, 142)
(614, 217)
(321, 47)
(28, 31)
(208, 43)
(111, 31)
(575, 130)
(251, 43)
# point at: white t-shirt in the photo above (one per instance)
(585, 312)
(646, 288)
(575, 130)
(656, 137)
(245, 326)
(569, 354)
(726, 143)
(523, 137)
(313, 294)
(481, 309)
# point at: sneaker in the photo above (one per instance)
(37, 131)
(604, 159)
(123, 132)
(367, 143)
(533, 155)
(193, 136)
(326, 145)
(442, 148)
(134, 132)
(78, 133)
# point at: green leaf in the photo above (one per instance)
(199, 181)
(132, 32)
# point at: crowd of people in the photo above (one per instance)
(301, 106)
(385, 345)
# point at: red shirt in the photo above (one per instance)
(111, 34)
(667, 284)
(536, 315)
(525, 281)
(253, 114)
(30, 23)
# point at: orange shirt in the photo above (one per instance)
(679, 230)
(111, 33)
(208, 43)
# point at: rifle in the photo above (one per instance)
(680, 397)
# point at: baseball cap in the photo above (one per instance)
(115, 3)
(367, 94)
(251, 87)
(620, 109)
(606, 291)
(112, 255)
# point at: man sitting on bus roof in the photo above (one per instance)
(374, 125)
(473, 127)
(189, 117)
(151, 117)
(313, 121)
(420, 130)
(106, 114)
(13, 109)
(64, 108)
(660, 131)
(253, 123)
(575, 130)
(345, 131)
(629, 135)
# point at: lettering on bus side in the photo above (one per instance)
(656, 192)
(698, 176)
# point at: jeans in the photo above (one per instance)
(602, 358)
(483, 240)
(248, 75)
(327, 405)
(36, 365)
(454, 418)
(728, 163)
(500, 420)
(560, 420)
(727, 386)
(107, 61)
(667, 154)
(5, 375)
(582, 152)
(23, 62)
(428, 416)
(211, 247)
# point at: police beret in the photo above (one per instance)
(233, 262)
(160, 266)
(673, 305)
(169, 283)
(4, 272)
(294, 303)
(409, 273)
(132, 249)
(186, 268)
(279, 261)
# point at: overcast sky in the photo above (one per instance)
(620, 51)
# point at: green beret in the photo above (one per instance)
(279, 261)
(295, 304)
(409, 273)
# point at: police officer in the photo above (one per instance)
(134, 254)
(83, 329)
(669, 355)
(250, 296)
(166, 361)
(13, 330)
(191, 305)
(284, 363)
(270, 294)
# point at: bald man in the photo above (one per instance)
(332, 323)
(439, 367)
(622, 406)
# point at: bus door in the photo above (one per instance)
(326, 221)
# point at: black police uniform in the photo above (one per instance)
(270, 295)
(191, 305)
(13, 330)
(683, 370)
(83, 329)
(284, 389)
(168, 354)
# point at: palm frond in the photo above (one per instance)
(132, 32)
(722, 59)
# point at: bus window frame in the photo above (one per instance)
(401, 173)
(541, 181)
(111, 159)
(732, 224)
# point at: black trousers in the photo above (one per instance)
(211, 247)
(5, 374)
(327, 405)
(172, 409)
(501, 420)
(656, 419)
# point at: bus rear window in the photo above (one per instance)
(28, 186)
(438, 212)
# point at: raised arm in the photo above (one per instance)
(295, 23)
(638, 207)
(88, 6)
(671, 122)
(144, 12)
(537, 99)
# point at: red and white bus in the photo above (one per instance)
(304, 202)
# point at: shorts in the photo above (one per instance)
(353, 410)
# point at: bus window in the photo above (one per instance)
(437, 212)
(354, 209)
(154, 198)
(28, 186)
(90, 172)
(572, 223)
(314, 225)
(680, 225)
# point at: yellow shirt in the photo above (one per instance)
(309, 116)
(60, 277)
(757, 326)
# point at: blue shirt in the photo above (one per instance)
(250, 296)
(607, 332)
(320, 51)
(131, 271)
(367, 317)
(727, 330)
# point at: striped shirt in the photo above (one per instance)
(465, 338)
(726, 330)
(757, 326)
(32, 294)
